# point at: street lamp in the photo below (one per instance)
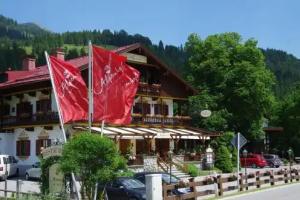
(245, 153)
(209, 157)
(170, 157)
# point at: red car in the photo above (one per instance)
(253, 160)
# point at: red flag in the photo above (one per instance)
(114, 87)
(71, 90)
(130, 84)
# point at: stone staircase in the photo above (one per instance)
(175, 169)
(179, 174)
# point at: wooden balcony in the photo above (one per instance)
(30, 119)
(147, 89)
(161, 120)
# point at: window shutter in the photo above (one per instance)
(37, 147)
(48, 142)
(27, 143)
(146, 108)
(166, 109)
(18, 148)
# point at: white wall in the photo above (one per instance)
(6, 143)
(32, 136)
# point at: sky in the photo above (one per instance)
(274, 23)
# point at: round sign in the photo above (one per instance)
(205, 113)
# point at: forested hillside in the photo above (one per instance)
(20, 40)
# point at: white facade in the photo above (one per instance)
(8, 142)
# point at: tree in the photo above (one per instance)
(93, 158)
(237, 84)
(287, 116)
(223, 160)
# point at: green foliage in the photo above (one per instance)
(192, 170)
(287, 116)
(236, 83)
(285, 67)
(93, 158)
(223, 160)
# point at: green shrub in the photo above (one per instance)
(223, 160)
(192, 170)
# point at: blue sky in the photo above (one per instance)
(274, 23)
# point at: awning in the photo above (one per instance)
(158, 133)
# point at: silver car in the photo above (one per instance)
(34, 172)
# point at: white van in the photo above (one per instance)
(10, 164)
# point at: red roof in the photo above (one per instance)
(16, 78)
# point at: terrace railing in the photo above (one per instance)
(147, 89)
(31, 119)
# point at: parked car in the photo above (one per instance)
(124, 188)
(34, 172)
(9, 165)
(253, 160)
(165, 179)
(273, 160)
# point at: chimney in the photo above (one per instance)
(60, 54)
(28, 64)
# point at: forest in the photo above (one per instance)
(269, 90)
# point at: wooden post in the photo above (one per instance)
(241, 182)
(285, 176)
(165, 191)
(193, 188)
(220, 185)
(257, 179)
(272, 180)
(297, 175)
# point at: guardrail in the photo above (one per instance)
(224, 184)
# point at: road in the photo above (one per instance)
(287, 192)
(25, 186)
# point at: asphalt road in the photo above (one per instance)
(287, 192)
(25, 186)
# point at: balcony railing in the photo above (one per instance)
(31, 119)
(148, 89)
(161, 120)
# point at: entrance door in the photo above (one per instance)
(162, 147)
(124, 146)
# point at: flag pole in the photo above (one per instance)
(60, 116)
(90, 92)
(102, 127)
(238, 160)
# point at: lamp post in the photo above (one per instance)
(245, 153)
(290, 152)
(209, 157)
(170, 157)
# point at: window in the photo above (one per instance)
(43, 105)
(5, 109)
(23, 148)
(166, 109)
(146, 109)
(137, 108)
(24, 109)
(41, 143)
(157, 109)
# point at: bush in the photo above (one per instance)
(223, 160)
(192, 170)
(93, 158)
